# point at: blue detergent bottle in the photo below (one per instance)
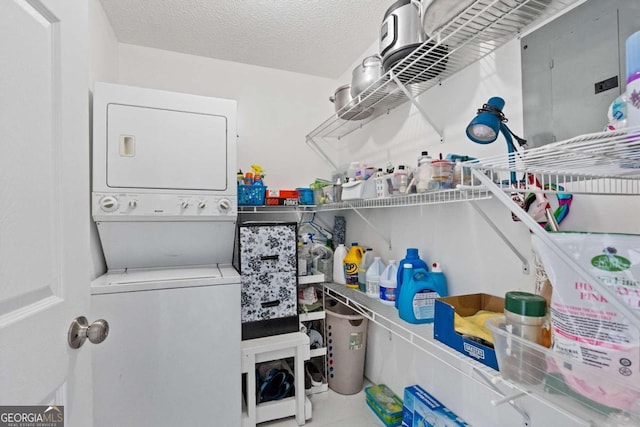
(412, 257)
(416, 302)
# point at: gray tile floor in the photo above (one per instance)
(331, 409)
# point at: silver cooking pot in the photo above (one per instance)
(365, 74)
(401, 31)
(401, 34)
(345, 105)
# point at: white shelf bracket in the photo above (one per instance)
(526, 420)
(416, 104)
(522, 258)
(370, 225)
(315, 147)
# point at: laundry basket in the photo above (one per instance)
(346, 334)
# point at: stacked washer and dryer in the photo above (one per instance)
(164, 202)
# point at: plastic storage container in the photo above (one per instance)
(346, 333)
(386, 405)
(305, 196)
(251, 195)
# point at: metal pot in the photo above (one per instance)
(401, 34)
(345, 106)
(365, 74)
(401, 31)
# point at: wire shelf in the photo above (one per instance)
(597, 163)
(472, 34)
(418, 199)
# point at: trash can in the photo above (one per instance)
(346, 334)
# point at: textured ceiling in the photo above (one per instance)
(317, 37)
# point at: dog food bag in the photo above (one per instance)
(586, 326)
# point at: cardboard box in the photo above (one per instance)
(465, 305)
(284, 194)
(422, 409)
(281, 201)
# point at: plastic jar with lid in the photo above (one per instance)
(526, 313)
(424, 172)
(400, 180)
(526, 319)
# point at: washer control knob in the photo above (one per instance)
(133, 204)
(202, 204)
(224, 205)
(109, 203)
(184, 204)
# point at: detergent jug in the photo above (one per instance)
(351, 263)
(365, 263)
(412, 257)
(416, 302)
(388, 284)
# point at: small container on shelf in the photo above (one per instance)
(305, 196)
(251, 195)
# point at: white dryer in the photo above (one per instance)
(164, 201)
(164, 177)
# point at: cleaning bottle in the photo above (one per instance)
(338, 264)
(351, 263)
(373, 277)
(388, 283)
(423, 172)
(367, 259)
(416, 303)
(412, 257)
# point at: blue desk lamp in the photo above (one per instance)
(490, 120)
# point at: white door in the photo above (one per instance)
(44, 201)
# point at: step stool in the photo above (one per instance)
(265, 349)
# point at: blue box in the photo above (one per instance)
(465, 305)
(423, 410)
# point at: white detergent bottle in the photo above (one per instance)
(338, 264)
(388, 283)
(374, 272)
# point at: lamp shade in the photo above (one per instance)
(484, 127)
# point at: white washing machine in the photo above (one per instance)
(172, 357)
(164, 201)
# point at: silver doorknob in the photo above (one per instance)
(80, 330)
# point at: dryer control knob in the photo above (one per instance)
(109, 203)
(133, 204)
(202, 204)
(224, 205)
(184, 204)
